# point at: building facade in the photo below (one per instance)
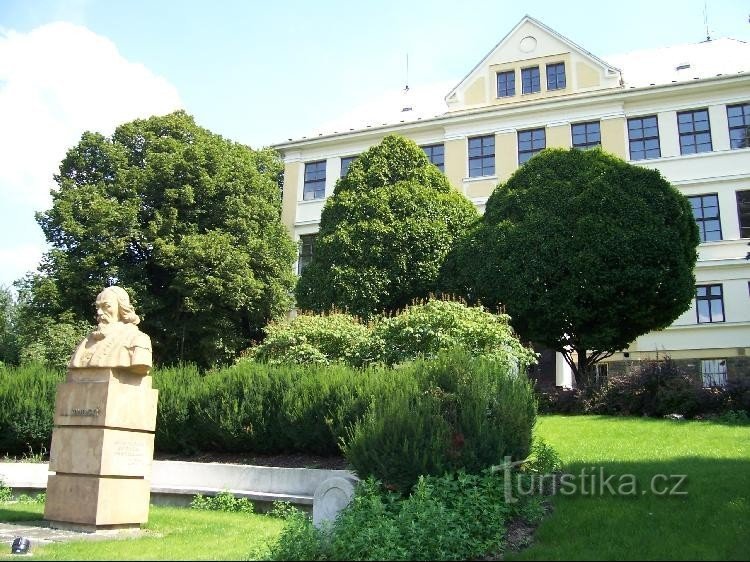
(683, 110)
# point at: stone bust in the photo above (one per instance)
(117, 342)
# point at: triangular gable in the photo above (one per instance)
(531, 43)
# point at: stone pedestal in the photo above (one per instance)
(102, 449)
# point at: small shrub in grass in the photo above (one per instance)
(452, 517)
(223, 501)
(454, 412)
(6, 494)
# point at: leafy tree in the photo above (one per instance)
(384, 233)
(586, 252)
(8, 337)
(186, 221)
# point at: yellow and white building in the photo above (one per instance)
(683, 110)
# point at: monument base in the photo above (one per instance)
(80, 528)
(97, 501)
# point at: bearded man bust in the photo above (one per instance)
(117, 342)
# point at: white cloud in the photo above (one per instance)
(56, 82)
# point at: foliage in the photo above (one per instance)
(384, 233)
(223, 501)
(451, 517)
(27, 395)
(45, 339)
(186, 221)
(420, 330)
(8, 335)
(586, 251)
(734, 417)
(655, 388)
(254, 407)
(6, 494)
(310, 339)
(425, 329)
(453, 412)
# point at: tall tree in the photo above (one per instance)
(187, 221)
(384, 233)
(585, 251)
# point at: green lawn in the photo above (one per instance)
(172, 534)
(711, 522)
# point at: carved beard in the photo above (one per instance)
(104, 328)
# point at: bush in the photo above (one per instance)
(425, 329)
(260, 408)
(420, 330)
(451, 517)
(223, 501)
(310, 339)
(27, 395)
(656, 388)
(454, 412)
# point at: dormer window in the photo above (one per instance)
(530, 81)
(556, 76)
(506, 84)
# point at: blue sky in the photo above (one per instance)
(259, 72)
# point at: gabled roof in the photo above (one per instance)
(528, 19)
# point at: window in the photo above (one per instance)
(529, 143)
(482, 156)
(695, 131)
(436, 154)
(306, 249)
(530, 81)
(556, 76)
(643, 134)
(709, 303)
(345, 163)
(743, 213)
(601, 374)
(315, 181)
(714, 372)
(706, 213)
(586, 135)
(739, 125)
(506, 84)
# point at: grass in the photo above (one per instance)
(172, 534)
(711, 522)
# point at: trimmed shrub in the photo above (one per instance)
(454, 412)
(27, 395)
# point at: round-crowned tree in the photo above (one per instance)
(186, 220)
(585, 251)
(384, 233)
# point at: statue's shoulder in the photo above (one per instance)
(136, 338)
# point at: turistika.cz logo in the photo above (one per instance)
(590, 481)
